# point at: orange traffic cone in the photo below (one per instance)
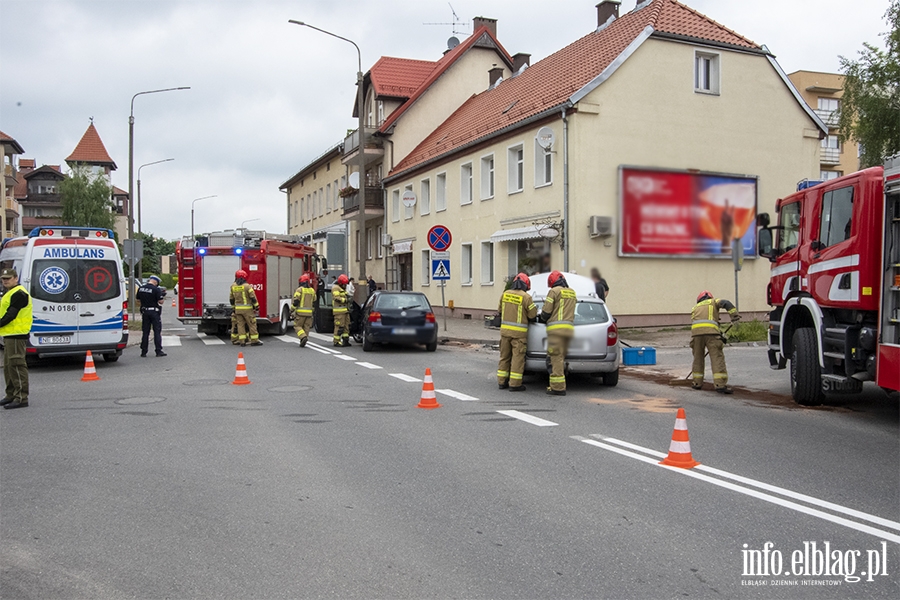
(90, 373)
(680, 448)
(428, 398)
(240, 375)
(173, 302)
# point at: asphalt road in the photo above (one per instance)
(322, 479)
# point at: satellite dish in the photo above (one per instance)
(545, 138)
(354, 180)
(452, 43)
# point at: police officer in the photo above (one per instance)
(304, 303)
(517, 310)
(558, 313)
(246, 308)
(15, 324)
(341, 310)
(707, 336)
(150, 295)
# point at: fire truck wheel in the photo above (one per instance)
(283, 324)
(806, 374)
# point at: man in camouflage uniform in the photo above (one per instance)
(304, 302)
(517, 310)
(246, 308)
(558, 313)
(707, 336)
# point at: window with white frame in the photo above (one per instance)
(328, 198)
(379, 241)
(426, 267)
(395, 206)
(336, 199)
(543, 166)
(408, 211)
(831, 142)
(516, 169)
(425, 197)
(440, 198)
(829, 104)
(487, 263)
(487, 177)
(380, 112)
(706, 72)
(370, 243)
(309, 202)
(465, 264)
(827, 175)
(321, 202)
(465, 184)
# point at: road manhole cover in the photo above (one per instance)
(140, 400)
(206, 382)
(290, 389)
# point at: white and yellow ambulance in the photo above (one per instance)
(77, 286)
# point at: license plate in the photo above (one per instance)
(404, 331)
(55, 339)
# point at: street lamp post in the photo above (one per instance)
(131, 186)
(141, 262)
(249, 221)
(192, 211)
(361, 158)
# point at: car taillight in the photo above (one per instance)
(374, 317)
(429, 318)
(125, 312)
(612, 335)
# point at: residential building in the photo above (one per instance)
(9, 216)
(40, 196)
(823, 92)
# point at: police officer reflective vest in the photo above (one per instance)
(21, 324)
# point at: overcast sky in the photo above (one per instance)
(267, 97)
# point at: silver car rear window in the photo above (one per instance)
(586, 313)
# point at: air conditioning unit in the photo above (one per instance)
(386, 239)
(601, 226)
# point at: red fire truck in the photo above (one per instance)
(273, 263)
(835, 283)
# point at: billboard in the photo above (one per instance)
(685, 213)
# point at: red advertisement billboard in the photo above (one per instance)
(682, 213)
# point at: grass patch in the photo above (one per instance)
(749, 331)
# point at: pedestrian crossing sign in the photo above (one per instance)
(440, 270)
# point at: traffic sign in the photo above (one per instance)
(439, 238)
(440, 270)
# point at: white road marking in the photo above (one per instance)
(765, 486)
(170, 341)
(368, 365)
(527, 418)
(319, 350)
(404, 377)
(287, 338)
(321, 336)
(457, 395)
(345, 357)
(322, 348)
(886, 535)
(210, 340)
(175, 328)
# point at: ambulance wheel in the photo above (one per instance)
(806, 374)
(283, 324)
(111, 357)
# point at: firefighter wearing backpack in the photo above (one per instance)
(558, 313)
(706, 336)
(341, 310)
(246, 307)
(517, 310)
(304, 301)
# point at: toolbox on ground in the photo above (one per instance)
(638, 356)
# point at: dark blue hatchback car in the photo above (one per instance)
(399, 318)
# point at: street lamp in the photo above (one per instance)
(131, 185)
(361, 215)
(192, 211)
(249, 221)
(141, 262)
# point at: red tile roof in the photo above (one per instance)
(399, 77)
(549, 83)
(5, 139)
(90, 150)
(26, 163)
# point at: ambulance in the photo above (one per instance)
(77, 287)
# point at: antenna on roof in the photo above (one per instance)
(457, 26)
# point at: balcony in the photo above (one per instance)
(12, 206)
(829, 156)
(372, 147)
(829, 117)
(374, 203)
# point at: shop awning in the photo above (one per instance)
(520, 233)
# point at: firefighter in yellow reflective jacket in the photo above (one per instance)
(303, 302)
(558, 313)
(517, 310)
(243, 301)
(706, 336)
(340, 303)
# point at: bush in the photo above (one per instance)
(750, 331)
(168, 280)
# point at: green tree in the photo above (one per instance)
(86, 199)
(154, 248)
(870, 106)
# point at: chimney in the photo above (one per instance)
(495, 74)
(520, 59)
(607, 9)
(491, 24)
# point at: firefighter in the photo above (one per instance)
(706, 336)
(246, 308)
(304, 301)
(235, 340)
(341, 309)
(558, 313)
(517, 310)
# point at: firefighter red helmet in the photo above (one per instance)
(304, 278)
(553, 277)
(703, 296)
(240, 274)
(342, 280)
(524, 279)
